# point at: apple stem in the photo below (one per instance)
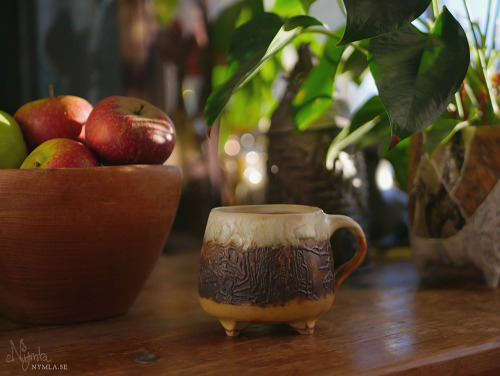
(51, 90)
(139, 111)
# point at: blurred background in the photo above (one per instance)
(171, 53)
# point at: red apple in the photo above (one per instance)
(81, 136)
(55, 117)
(125, 130)
(60, 153)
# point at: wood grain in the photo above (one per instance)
(382, 322)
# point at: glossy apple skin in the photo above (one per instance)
(60, 153)
(55, 117)
(126, 130)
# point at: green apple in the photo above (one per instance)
(60, 153)
(13, 149)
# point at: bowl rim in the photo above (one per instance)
(129, 167)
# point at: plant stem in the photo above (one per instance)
(457, 128)
(336, 36)
(424, 23)
(482, 62)
(344, 139)
(494, 31)
(487, 21)
(471, 23)
(472, 95)
(436, 7)
(331, 34)
(342, 8)
(460, 107)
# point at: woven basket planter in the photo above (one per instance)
(454, 207)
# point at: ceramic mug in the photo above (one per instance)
(272, 264)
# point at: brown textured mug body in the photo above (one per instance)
(271, 264)
(78, 244)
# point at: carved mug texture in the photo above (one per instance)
(272, 264)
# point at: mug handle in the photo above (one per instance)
(336, 222)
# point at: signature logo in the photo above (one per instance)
(31, 360)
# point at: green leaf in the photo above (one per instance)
(370, 110)
(248, 106)
(370, 18)
(474, 81)
(306, 4)
(297, 24)
(417, 74)
(356, 64)
(222, 28)
(287, 8)
(248, 46)
(253, 38)
(253, 44)
(440, 130)
(369, 125)
(221, 94)
(316, 93)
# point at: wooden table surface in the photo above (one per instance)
(382, 322)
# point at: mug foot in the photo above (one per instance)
(233, 328)
(304, 327)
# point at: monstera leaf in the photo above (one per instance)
(370, 18)
(417, 74)
(252, 45)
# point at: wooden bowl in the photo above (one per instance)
(78, 244)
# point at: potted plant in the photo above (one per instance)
(418, 72)
(454, 174)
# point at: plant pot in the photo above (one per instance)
(454, 209)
